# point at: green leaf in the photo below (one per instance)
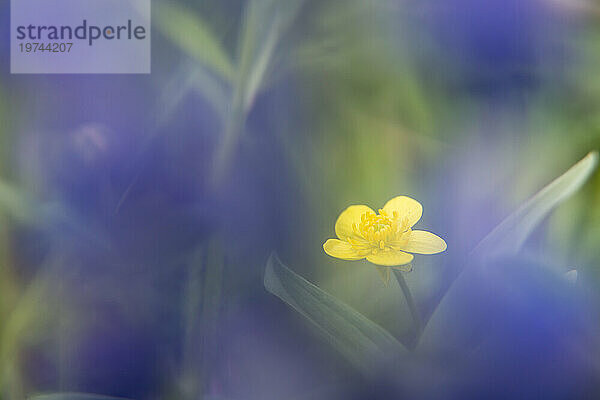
(509, 236)
(505, 239)
(194, 37)
(74, 396)
(361, 341)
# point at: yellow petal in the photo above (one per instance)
(340, 249)
(406, 208)
(424, 242)
(390, 258)
(351, 215)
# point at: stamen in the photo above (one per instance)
(381, 232)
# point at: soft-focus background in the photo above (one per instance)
(137, 212)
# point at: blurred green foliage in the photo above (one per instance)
(375, 113)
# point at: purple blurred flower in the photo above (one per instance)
(498, 46)
(510, 329)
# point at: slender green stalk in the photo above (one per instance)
(414, 312)
(203, 301)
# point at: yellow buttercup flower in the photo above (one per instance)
(384, 238)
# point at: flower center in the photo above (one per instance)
(380, 232)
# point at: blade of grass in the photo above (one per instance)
(508, 237)
(192, 35)
(265, 21)
(510, 234)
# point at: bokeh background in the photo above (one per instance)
(137, 212)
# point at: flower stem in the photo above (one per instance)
(414, 312)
